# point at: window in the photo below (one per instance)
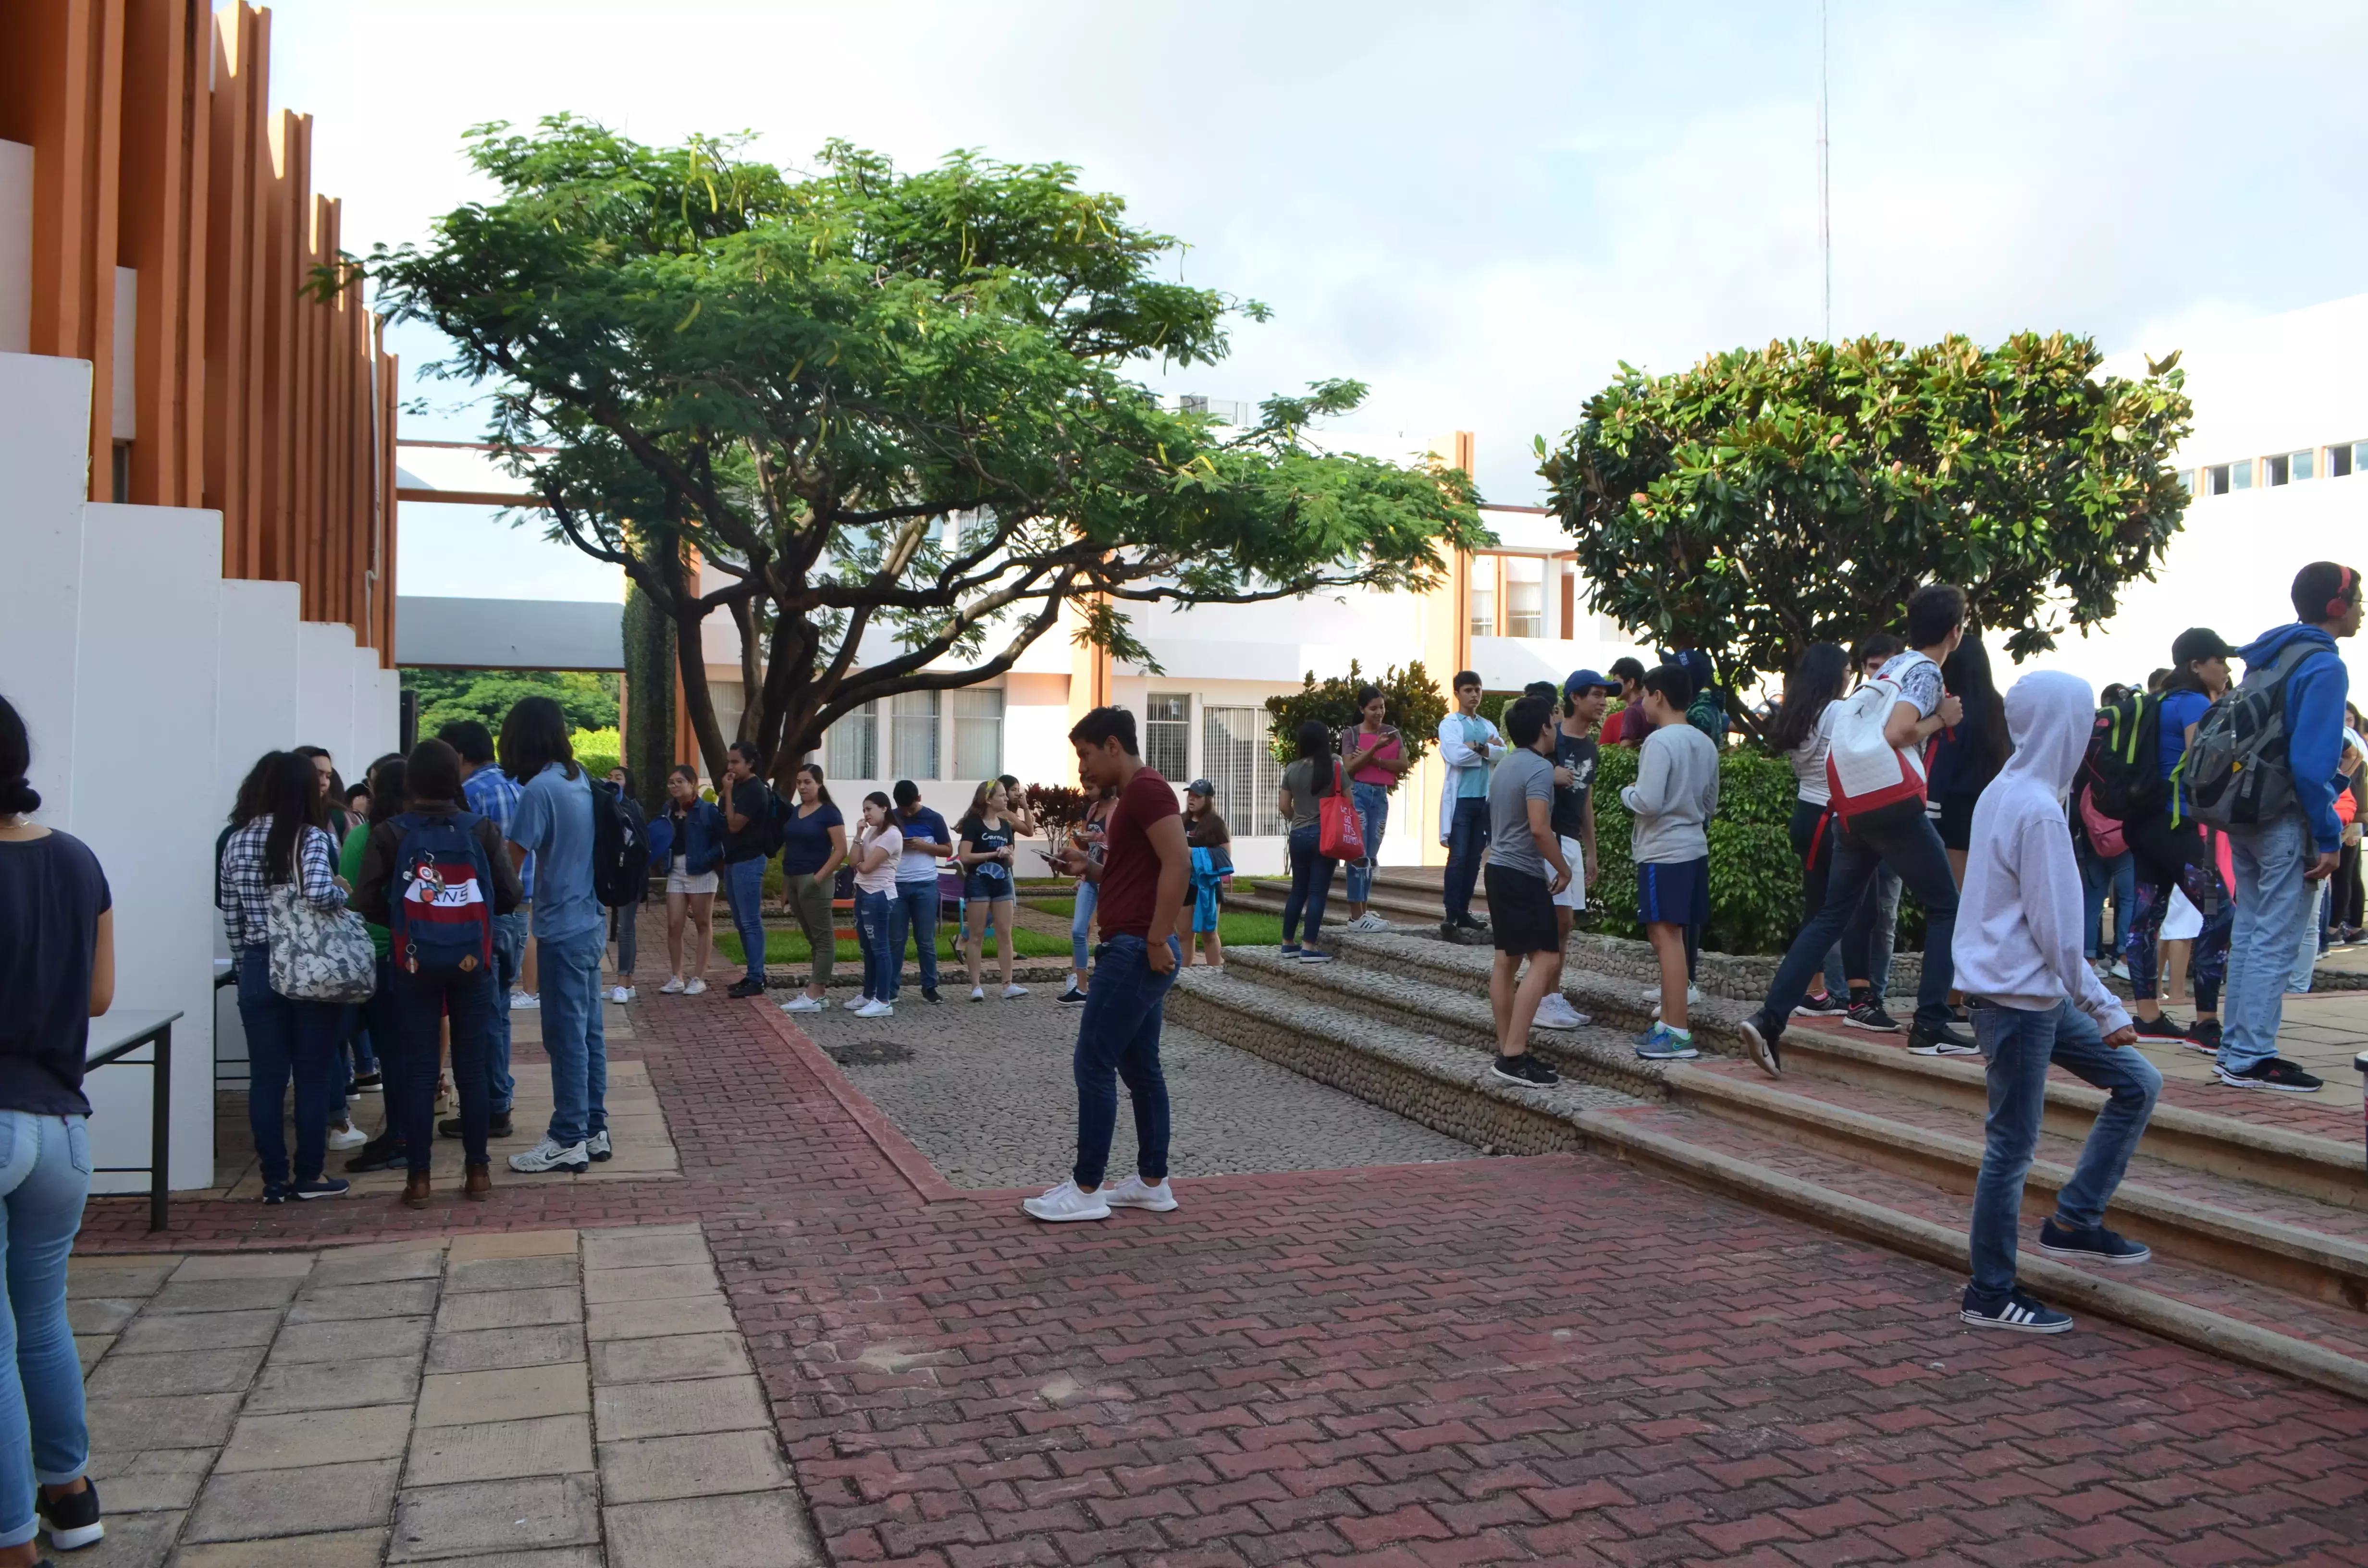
(2340, 461)
(1483, 598)
(2274, 471)
(851, 746)
(912, 734)
(1234, 757)
(2216, 480)
(1167, 736)
(978, 733)
(1525, 596)
(2302, 463)
(2187, 479)
(2240, 475)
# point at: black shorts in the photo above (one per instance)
(1521, 911)
(1956, 821)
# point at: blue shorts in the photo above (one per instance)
(1674, 894)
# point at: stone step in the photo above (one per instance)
(1397, 907)
(2296, 1244)
(1447, 1085)
(2319, 1168)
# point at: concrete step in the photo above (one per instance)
(2318, 1168)
(1396, 907)
(1444, 1082)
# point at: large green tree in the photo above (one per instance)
(1767, 499)
(891, 416)
(588, 697)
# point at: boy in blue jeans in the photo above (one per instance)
(2017, 947)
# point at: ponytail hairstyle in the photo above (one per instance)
(17, 797)
(813, 770)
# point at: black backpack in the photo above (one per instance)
(776, 824)
(620, 848)
(2122, 769)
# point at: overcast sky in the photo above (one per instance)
(1479, 209)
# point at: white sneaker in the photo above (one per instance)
(696, 988)
(1368, 923)
(1014, 989)
(876, 1010)
(673, 985)
(597, 1146)
(621, 993)
(801, 1003)
(551, 1155)
(347, 1137)
(1136, 1193)
(521, 1002)
(1693, 993)
(978, 993)
(1065, 1202)
(2120, 971)
(1554, 1012)
(856, 1004)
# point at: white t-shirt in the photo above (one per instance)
(891, 838)
(1808, 759)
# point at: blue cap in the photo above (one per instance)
(1586, 680)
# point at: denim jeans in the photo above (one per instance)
(2097, 873)
(2273, 910)
(624, 924)
(509, 952)
(1310, 885)
(44, 1437)
(1467, 840)
(286, 1038)
(421, 1003)
(917, 912)
(744, 881)
(1118, 1038)
(878, 930)
(1373, 811)
(2017, 1047)
(1811, 831)
(573, 1036)
(1911, 847)
(1875, 931)
(1081, 925)
(2314, 932)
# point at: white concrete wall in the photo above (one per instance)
(324, 692)
(44, 436)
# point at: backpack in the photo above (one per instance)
(2235, 775)
(620, 849)
(1869, 779)
(778, 811)
(2122, 769)
(440, 902)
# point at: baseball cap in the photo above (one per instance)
(1586, 680)
(1201, 787)
(2199, 643)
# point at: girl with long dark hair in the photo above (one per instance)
(986, 842)
(1306, 782)
(1968, 755)
(878, 844)
(1803, 733)
(693, 849)
(1374, 755)
(814, 846)
(377, 1024)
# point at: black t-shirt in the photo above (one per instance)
(1577, 753)
(752, 799)
(52, 895)
(987, 878)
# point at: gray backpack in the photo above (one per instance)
(2234, 774)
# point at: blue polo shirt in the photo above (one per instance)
(553, 822)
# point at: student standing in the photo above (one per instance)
(986, 843)
(389, 780)
(2036, 1003)
(287, 844)
(747, 805)
(694, 833)
(1968, 755)
(1671, 803)
(927, 840)
(1469, 745)
(2280, 862)
(493, 795)
(2170, 853)
(1311, 774)
(57, 970)
(1373, 754)
(1087, 838)
(1801, 734)
(1576, 756)
(1526, 868)
(553, 824)
(879, 845)
(1904, 839)
(1213, 871)
(814, 842)
(1142, 876)
(624, 919)
(1629, 726)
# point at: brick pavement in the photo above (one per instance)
(1554, 1359)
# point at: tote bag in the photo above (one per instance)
(1339, 833)
(319, 955)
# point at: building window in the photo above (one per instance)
(851, 746)
(2187, 479)
(2274, 471)
(2216, 480)
(1484, 597)
(912, 734)
(2240, 475)
(978, 733)
(1234, 757)
(2340, 461)
(2303, 463)
(1168, 736)
(1525, 596)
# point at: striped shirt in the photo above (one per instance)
(243, 894)
(493, 795)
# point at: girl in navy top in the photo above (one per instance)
(985, 845)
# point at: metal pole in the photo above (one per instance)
(1825, 182)
(160, 1133)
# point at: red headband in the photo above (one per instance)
(2343, 586)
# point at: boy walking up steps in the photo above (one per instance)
(1673, 798)
(2035, 1002)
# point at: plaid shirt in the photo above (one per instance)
(242, 895)
(493, 795)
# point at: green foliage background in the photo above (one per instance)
(588, 698)
(1755, 883)
(1416, 705)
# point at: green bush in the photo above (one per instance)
(1415, 704)
(1755, 881)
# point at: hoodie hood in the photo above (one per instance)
(2049, 716)
(2272, 642)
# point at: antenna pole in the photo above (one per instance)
(1825, 180)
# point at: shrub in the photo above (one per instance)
(597, 751)
(1416, 705)
(1755, 881)
(1056, 808)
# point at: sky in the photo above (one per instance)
(1478, 210)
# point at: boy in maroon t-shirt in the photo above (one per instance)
(1145, 870)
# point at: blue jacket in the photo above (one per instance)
(697, 835)
(2314, 697)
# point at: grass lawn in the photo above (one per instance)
(1236, 928)
(792, 947)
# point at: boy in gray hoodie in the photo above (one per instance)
(2035, 1001)
(1673, 798)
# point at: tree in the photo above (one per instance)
(1762, 501)
(588, 698)
(649, 708)
(888, 415)
(1413, 702)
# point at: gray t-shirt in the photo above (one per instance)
(1523, 776)
(1301, 780)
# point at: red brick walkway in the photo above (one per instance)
(1548, 1359)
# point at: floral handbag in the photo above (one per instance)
(319, 955)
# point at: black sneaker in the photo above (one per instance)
(2277, 1072)
(1527, 1071)
(368, 1083)
(1940, 1041)
(1072, 997)
(1468, 921)
(2018, 1313)
(496, 1126)
(1761, 1038)
(1871, 1015)
(1824, 1005)
(929, 994)
(747, 988)
(320, 1187)
(381, 1153)
(2164, 1027)
(275, 1193)
(72, 1520)
(2203, 1035)
(2100, 1246)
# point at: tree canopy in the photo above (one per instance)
(588, 699)
(1767, 499)
(889, 416)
